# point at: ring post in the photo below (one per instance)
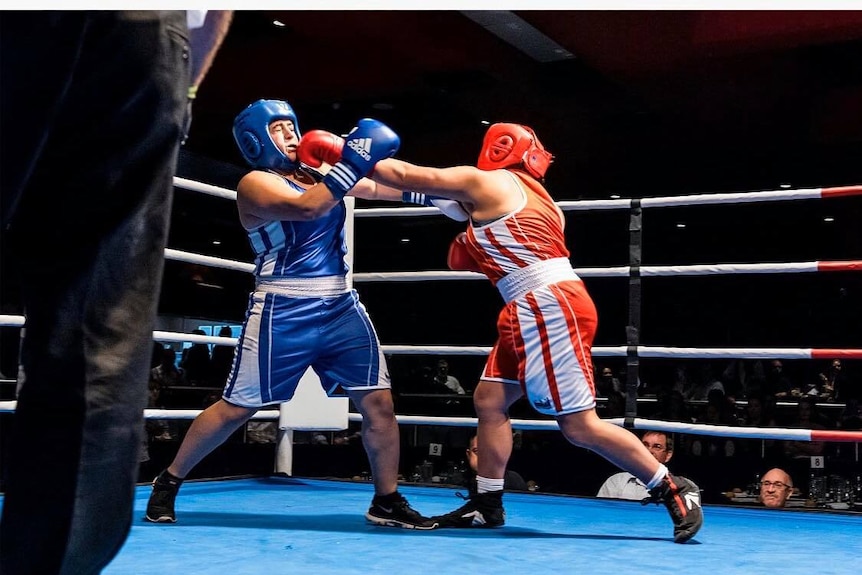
(311, 409)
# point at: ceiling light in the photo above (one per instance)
(828, 219)
(486, 123)
(680, 225)
(216, 242)
(615, 196)
(278, 23)
(405, 240)
(784, 186)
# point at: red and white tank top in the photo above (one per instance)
(530, 234)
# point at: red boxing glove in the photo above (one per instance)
(459, 259)
(319, 146)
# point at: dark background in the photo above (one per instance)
(632, 103)
(638, 104)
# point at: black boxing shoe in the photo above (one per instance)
(160, 507)
(393, 511)
(682, 500)
(481, 510)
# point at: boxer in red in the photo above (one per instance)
(515, 236)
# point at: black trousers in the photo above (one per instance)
(91, 117)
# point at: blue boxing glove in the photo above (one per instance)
(450, 208)
(366, 144)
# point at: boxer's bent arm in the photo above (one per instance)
(267, 197)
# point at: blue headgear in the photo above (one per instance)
(251, 133)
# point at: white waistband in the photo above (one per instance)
(327, 286)
(534, 276)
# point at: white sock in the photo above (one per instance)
(658, 477)
(485, 485)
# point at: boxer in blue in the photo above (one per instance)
(302, 312)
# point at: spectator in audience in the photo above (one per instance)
(614, 407)
(775, 487)
(210, 398)
(166, 373)
(715, 413)
(735, 378)
(163, 376)
(758, 413)
(672, 407)
(319, 438)
(681, 378)
(261, 431)
(832, 382)
(444, 380)
(347, 437)
(607, 383)
(777, 383)
(512, 481)
(851, 418)
(708, 382)
(725, 408)
(624, 485)
(811, 388)
(222, 358)
(196, 362)
(806, 418)
(156, 358)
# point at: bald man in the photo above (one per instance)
(775, 487)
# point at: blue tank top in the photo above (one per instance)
(301, 249)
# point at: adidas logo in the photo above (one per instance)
(477, 518)
(692, 500)
(544, 403)
(361, 146)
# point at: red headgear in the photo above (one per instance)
(508, 145)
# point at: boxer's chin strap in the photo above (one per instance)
(315, 175)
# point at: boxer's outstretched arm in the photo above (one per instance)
(320, 150)
(483, 194)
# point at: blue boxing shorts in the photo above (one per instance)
(283, 336)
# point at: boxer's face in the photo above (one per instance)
(283, 134)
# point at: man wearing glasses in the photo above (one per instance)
(775, 487)
(627, 486)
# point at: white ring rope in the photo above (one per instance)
(644, 351)
(12, 320)
(581, 205)
(624, 271)
(190, 258)
(748, 197)
(204, 188)
(652, 352)
(780, 433)
(614, 271)
(657, 202)
(609, 351)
